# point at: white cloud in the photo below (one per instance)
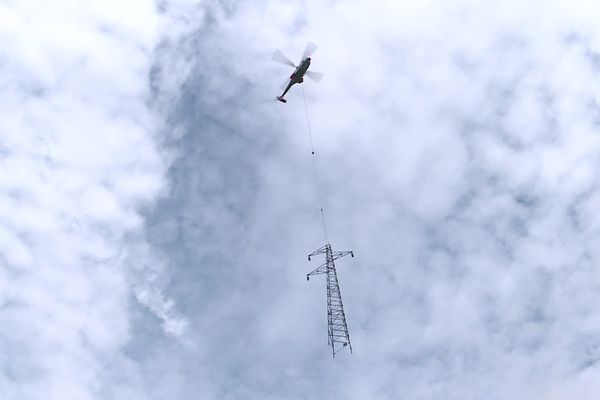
(457, 148)
(80, 159)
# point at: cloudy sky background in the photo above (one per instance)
(157, 204)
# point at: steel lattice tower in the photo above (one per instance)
(338, 336)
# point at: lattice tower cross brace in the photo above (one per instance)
(338, 336)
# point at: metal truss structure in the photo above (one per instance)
(338, 336)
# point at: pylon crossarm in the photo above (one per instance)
(334, 254)
(317, 271)
(322, 250)
(340, 254)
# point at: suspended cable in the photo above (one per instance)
(315, 169)
(312, 148)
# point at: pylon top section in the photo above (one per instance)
(330, 256)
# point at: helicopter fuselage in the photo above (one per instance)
(298, 75)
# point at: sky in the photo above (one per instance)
(157, 204)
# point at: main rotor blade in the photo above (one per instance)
(279, 57)
(315, 76)
(310, 48)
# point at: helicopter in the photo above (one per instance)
(301, 69)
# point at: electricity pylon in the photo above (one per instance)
(338, 336)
